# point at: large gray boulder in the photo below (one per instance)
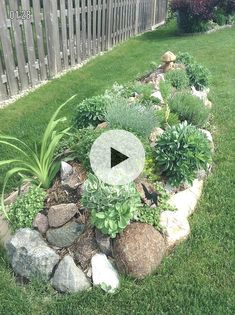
(69, 278)
(30, 256)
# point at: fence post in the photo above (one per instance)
(109, 25)
(137, 16)
(7, 50)
(154, 12)
(52, 32)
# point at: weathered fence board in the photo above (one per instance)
(53, 35)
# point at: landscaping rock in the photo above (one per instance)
(84, 248)
(104, 242)
(158, 95)
(209, 137)
(103, 125)
(65, 171)
(175, 226)
(104, 274)
(138, 251)
(69, 278)
(60, 214)
(155, 134)
(41, 223)
(71, 183)
(30, 256)
(185, 201)
(66, 235)
(15, 194)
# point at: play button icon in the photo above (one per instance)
(117, 157)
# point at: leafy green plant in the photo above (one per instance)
(181, 151)
(37, 165)
(166, 89)
(166, 119)
(190, 108)
(135, 118)
(90, 112)
(111, 207)
(23, 211)
(83, 143)
(199, 76)
(178, 78)
(185, 58)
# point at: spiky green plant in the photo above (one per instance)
(36, 166)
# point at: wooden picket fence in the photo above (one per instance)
(41, 38)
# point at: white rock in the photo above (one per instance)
(66, 170)
(185, 201)
(104, 274)
(209, 137)
(155, 134)
(202, 95)
(158, 95)
(175, 226)
(69, 278)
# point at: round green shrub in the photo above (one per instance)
(185, 58)
(90, 112)
(199, 76)
(85, 139)
(190, 108)
(181, 151)
(178, 78)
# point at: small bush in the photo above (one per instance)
(171, 120)
(112, 207)
(199, 76)
(180, 152)
(23, 211)
(178, 78)
(90, 112)
(185, 58)
(85, 140)
(190, 108)
(135, 118)
(165, 89)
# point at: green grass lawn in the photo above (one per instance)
(198, 277)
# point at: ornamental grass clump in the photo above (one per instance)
(112, 207)
(181, 151)
(135, 118)
(36, 165)
(190, 108)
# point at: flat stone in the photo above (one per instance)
(185, 201)
(66, 235)
(71, 183)
(41, 223)
(66, 170)
(15, 194)
(175, 226)
(104, 243)
(104, 274)
(68, 278)
(60, 214)
(30, 256)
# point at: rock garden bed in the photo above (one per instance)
(73, 230)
